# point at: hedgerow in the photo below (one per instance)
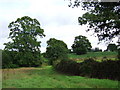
(107, 69)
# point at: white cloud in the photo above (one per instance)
(57, 19)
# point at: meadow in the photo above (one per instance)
(47, 77)
(97, 55)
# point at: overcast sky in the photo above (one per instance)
(56, 18)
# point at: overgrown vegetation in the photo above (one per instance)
(106, 69)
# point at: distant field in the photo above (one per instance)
(97, 55)
(46, 77)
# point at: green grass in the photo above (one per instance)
(46, 77)
(98, 55)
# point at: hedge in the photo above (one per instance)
(107, 69)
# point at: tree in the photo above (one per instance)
(56, 50)
(103, 18)
(112, 47)
(118, 47)
(23, 33)
(81, 45)
(97, 49)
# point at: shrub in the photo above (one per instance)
(68, 66)
(8, 60)
(13, 59)
(107, 69)
(86, 67)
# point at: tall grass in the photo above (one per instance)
(46, 77)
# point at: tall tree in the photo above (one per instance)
(81, 45)
(56, 50)
(23, 33)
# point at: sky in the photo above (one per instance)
(56, 18)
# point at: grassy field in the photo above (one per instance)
(46, 77)
(97, 55)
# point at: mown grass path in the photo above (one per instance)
(46, 77)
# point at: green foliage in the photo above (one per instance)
(112, 47)
(56, 50)
(106, 69)
(14, 59)
(81, 45)
(97, 50)
(68, 66)
(118, 54)
(23, 33)
(101, 17)
(118, 47)
(45, 61)
(8, 59)
(86, 67)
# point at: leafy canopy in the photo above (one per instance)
(23, 33)
(56, 50)
(81, 45)
(101, 17)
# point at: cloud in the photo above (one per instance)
(56, 18)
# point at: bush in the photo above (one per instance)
(8, 60)
(68, 66)
(86, 67)
(118, 56)
(13, 59)
(107, 69)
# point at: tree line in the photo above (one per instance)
(24, 49)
